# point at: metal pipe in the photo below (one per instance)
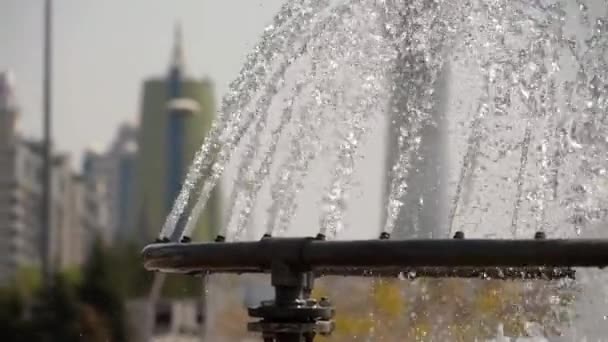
(304, 254)
(467, 253)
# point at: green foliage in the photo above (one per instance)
(127, 272)
(99, 291)
(132, 281)
(56, 313)
(83, 304)
(80, 305)
(28, 280)
(72, 276)
(13, 326)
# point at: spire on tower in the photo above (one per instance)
(177, 59)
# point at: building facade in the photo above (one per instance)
(115, 167)
(20, 190)
(177, 111)
(78, 207)
(97, 222)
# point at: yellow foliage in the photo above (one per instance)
(434, 309)
(388, 298)
(420, 331)
(352, 325)
(488, 301)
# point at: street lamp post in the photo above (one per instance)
(46, 216)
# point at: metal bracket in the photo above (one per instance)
(292, 315)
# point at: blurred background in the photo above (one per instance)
(69, 264)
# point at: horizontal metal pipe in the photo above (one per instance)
(368, 255)
(453, 252)
(251, 256)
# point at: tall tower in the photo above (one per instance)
(424, 213)
(177, 116)
(177, 111)
(8, 109)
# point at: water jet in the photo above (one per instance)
(532, 162)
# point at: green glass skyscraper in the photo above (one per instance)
(177, 111)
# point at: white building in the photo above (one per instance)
(71, 236)
(20, 190)
(78, 209)
(96, 200)
(115, 167)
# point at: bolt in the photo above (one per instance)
(540, 235)
(459, 235)
(324, 302)
(220, 238)
(385, 236)
(186, 239)
(266, 236)
(320, 237)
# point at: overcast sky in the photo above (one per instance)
(104, 49)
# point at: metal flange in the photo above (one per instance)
(307, 310)
(269, 329)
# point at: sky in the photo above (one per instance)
(103, 50)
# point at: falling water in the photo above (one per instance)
(227, 130)
(527, 115)
(540, 105)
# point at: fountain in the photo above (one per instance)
(497, 112)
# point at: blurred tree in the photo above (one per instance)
(55, 316)
(99, 290)
(13, 325)
(131, 280)
(72, 276)
(28, 281)
(93, 325)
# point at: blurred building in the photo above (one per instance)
(79, 238)
(115, 167)
(424, 213)
(20, 190)
(177, 111)
(77, 208)
(96, 197)
(65, 246)
(8, 109)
